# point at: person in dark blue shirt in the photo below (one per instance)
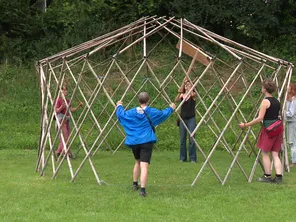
(138, 124)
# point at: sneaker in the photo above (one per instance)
(136, 187)
(182, 161)
(264, 179)
(277, 180)
(143, 194)
(192, 161)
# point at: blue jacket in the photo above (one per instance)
(136, 125)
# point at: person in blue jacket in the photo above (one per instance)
(138, 124)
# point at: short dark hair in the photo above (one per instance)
(143, 97)
(269, 85)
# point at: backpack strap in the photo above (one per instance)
(153, 128)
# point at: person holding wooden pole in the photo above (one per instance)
(64, 119)
(269, 114)
(138, 124)
(188, 117)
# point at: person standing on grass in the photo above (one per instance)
(291, 121)
(268, 113)
(188, 116)
(60, 108)
(138, 124)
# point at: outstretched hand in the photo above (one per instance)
(173, 106)
(242, 125)
(119, 103)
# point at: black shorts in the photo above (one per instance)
(142, 152)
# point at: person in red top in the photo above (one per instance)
(61, 108)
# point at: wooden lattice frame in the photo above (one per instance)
(54, 69)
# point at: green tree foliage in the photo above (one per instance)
(122, 12)
(238, 19)
(287, 18)
(20, 24)
(27, 33)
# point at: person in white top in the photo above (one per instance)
(291, 121)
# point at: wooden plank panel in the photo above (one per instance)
(190, 50)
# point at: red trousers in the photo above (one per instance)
(65, 131)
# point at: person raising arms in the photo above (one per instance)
(138, 124)
(188, 116)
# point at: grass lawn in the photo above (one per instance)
(25, 196)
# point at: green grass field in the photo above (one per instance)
(25, 196)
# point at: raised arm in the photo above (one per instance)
(119, 109)
(181, 90)
(77, 107)
(193, 94)
(159, 116)
(178, 97)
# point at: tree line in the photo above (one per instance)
(33, 29)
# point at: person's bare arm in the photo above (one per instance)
(263, 107)
(193, 94)
(77, 107)
(181, 90)
(178, 97)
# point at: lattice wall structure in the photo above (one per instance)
(226, 75)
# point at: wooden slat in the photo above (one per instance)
(191, 50)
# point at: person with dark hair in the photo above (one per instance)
(188, 116)
(269, 114)
(291, 121)
(139, 125)
(64, 118)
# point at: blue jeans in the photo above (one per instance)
(191, 124)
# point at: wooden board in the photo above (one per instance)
(191, 50)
